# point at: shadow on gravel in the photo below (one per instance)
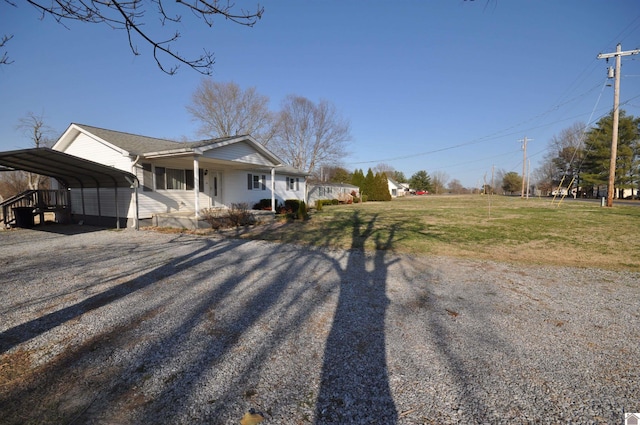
(354, 385)
(28, 330)
(100, 379)
(67, 229)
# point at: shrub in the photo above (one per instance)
(303, 213)
(335, 202)
(292, 205)
(264, 204)
(356, 200)
(237, 215)
(296, 209)
(216, 217)
(319, 205)
(364, 198)
(240, 215)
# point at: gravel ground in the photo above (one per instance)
(125, 327)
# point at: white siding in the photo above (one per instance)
(91, 149)
(283, 192)
(236, 190)
(238, 152)
(86, 147)
(107, 205)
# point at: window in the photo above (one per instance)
(176, 179)
(256, 182)
(160, 180)
(188, 174)
(293, 184)
(147, 177)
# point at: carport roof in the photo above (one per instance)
(70, 170)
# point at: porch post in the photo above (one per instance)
(196, 187)
(273, 189)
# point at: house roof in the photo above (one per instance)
(351, 186)
(150, 147)
(132, 143)
(72, 171)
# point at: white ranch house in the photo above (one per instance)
(325, 190)
(178, 178)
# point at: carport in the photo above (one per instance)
(72, 172)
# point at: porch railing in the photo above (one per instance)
(40, 200)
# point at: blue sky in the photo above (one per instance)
(438, 85)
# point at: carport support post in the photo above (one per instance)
(117, 209)
(196, 187)
(273, 190)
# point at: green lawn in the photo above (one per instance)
(502, 228)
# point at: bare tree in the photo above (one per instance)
(224, 109)
(310, 134)
(439, 181)
(131, 17)
(545, 176)
(34, 127)
(456, 187)
(384, 168)
(564, 157)
(12, 183)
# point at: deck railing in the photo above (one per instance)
(40, 200)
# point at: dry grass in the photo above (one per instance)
(531, 231)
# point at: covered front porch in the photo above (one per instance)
(176, 188)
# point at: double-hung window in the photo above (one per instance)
(256, 182)
(293, 183)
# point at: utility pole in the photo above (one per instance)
(616, 116)
(524, 163)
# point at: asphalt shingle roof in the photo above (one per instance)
(133, 143)
(138, 145)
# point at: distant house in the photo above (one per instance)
(179, 177)
(397, 189)
(324, 190)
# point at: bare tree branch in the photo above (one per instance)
(4, 58)
(131, 16)
(310, 134)
(224, 109)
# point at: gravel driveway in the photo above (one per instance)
(125, 327)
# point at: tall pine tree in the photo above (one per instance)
(595, 168)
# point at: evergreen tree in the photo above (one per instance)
(595, 168)
(382, 188)
(399, 177)
(420, 180)
(512, 182)
(357, 179)
(368, 185)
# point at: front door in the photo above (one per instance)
(215, 188)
